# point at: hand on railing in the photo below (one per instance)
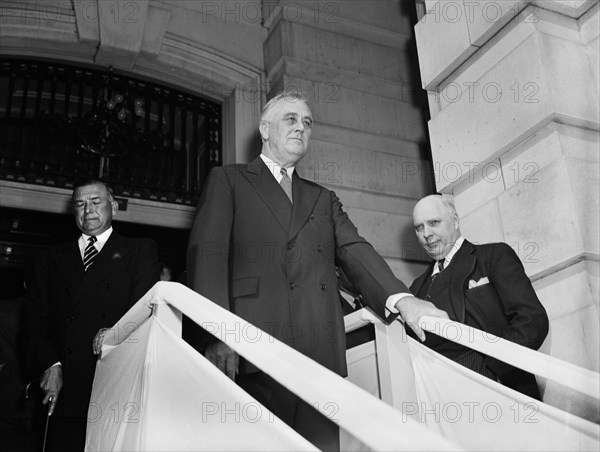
(222, 356)
(98, 339)
(412, 309)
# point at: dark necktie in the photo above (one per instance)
(90, 253)
(440, 268)
(286, 184)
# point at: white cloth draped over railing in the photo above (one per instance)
(153, 392)
(480, 414)
(574, 377)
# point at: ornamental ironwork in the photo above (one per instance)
(60, 123)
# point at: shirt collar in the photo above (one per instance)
(453, 251)
(101, 239)
(275, 168)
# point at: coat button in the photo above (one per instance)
(319, 248)
(292, 286)
(290, 246)
(312, 217)
(70, 318)
(323, 286)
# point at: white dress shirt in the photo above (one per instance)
(100, 241)
(449, 256)
(275, 168)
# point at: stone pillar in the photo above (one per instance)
(513, 92)
(356, 60)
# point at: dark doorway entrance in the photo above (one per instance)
(24, 233)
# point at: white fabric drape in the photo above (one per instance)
(154, 392)
(480, 414)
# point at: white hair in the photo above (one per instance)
(286, 95)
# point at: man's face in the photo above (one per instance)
(287, 130)
(94, 209)
(436, 226)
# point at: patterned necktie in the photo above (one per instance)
(286, 184)
(90, 253)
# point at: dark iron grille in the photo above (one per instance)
(61, 123)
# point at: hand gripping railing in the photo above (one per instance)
(373, 422)
(567, 374)
(478, 413)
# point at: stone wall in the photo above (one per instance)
(355, 58)
(513, 91)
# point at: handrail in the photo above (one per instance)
(360, 318)
(567, 374)
(298, 373)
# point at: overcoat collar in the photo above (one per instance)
(291, 218)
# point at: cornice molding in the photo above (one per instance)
(319, 18)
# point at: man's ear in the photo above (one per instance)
(455, 220)
(263, 127)
(115, 207)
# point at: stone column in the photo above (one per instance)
(513, 92)
(356, 60)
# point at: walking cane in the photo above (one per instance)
(29, 395)
(46, 427)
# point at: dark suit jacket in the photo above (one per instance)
(273, 264)
(68, 306)
(507, 307)
(13, 377)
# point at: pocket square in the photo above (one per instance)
(481, 282)
(116, 256)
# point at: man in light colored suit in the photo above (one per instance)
(483, 286)
(265, 243)
(78, 289)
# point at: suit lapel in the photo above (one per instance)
(305, 196)
(270, 192)
(462, 266)
(70, 264)
(415, 287)
(290, 218)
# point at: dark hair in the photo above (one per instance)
(86, 182)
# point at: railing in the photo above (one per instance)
(494, 417)
(373, 422)
(574, 377)
(481, 414)
(61, 123)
